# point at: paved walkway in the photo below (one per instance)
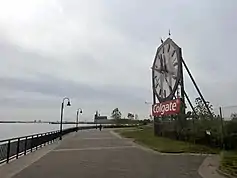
(95, 154)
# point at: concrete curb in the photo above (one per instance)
(144, 147)
(116, 134)
(225, 174)
(209, 167)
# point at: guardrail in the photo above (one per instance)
(15, 147)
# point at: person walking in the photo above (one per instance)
(100, 127)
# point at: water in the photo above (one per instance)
(21, 129)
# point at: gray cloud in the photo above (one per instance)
(52, 86)
(47, 92)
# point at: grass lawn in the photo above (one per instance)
(229, 162)
(145, 136)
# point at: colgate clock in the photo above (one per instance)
(166, 70)
(166, 79)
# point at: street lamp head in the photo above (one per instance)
(79, 110)
(68, 104)
(146, 102)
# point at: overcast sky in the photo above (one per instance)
(99, 53)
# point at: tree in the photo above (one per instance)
(150, 117)
(233, 116)
(201, 109)
(136, 116)
(130, 116)
(116, 114)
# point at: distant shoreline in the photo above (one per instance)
(41, 122)
(25, 122)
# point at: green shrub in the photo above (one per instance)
(195, 132)
(229, 162)
(230, 141)
(231, 127)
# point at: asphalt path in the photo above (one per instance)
(101, 154)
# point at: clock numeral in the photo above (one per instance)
(173, 53)
(170, 88)
(168, 49)
(160, 56)
(165, 93)
(157, 82)
(163, 50)
(169, 85)
(160, 92)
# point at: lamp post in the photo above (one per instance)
(95, 118)
(149, 103)
(61, 122)
(79, 110)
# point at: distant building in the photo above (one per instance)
(100, 119)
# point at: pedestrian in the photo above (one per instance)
(100, 127)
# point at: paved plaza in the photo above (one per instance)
(101, 154)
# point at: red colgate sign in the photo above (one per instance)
(166, 108)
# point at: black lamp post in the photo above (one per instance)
(95, 118)
(61, 122)
(149, 103)
(79, 110)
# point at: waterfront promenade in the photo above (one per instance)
(95, 154)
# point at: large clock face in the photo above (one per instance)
(166, 71)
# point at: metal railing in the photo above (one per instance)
(15, 147)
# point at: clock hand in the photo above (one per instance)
(164, 68)
(169, 87)
(168, 84)
(157, 82)
(161, 63)
(161, 84)
(165, 65)
(172, 74)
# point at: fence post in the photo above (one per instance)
(31, 143)
(52, 137)
(25, 146)
(8, 150)
(17, 148)
(37, 141)
(45, 135)
(41, 136)
(222, 128)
